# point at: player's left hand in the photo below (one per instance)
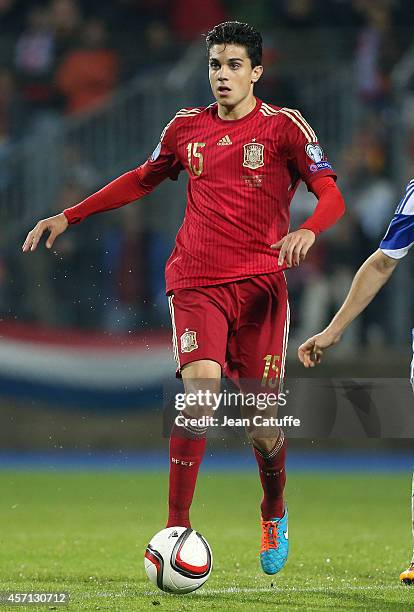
(294, 247)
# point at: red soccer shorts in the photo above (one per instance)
(242, 325)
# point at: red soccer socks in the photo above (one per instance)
(273, 478)
(186, 453)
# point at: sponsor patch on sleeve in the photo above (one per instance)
(315, 152)
(322, 165)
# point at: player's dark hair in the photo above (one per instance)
(236, 33)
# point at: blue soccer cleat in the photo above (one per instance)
(275, 544)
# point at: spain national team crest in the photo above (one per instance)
(253, 155)
(189, 341)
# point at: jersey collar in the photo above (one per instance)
(230, 122)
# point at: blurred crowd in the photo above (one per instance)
(68, 57)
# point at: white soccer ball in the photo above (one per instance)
(178, 560)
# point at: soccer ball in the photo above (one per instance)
(178, 560)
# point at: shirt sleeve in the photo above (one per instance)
(164, 162)
(306, 157)
(330, 207)
(399, 237)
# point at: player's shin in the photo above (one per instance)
(187, 446)
(272, 474)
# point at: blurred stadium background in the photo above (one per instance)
(85, 90)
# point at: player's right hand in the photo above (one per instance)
(56, 225)
(311, 351)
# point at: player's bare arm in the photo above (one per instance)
(369, 279)
(55, 225)
(294, 247)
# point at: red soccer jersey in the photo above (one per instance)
(242, 177)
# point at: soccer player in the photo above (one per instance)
(225, 283)
(369, 279)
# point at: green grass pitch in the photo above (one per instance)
(86, 533)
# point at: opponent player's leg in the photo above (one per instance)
(407, 577)
(260, 358)
(199, 337)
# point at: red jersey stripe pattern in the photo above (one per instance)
(242, 176)
(239, 195)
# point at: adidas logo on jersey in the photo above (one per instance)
(225, 140)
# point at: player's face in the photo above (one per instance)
(231, 74)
